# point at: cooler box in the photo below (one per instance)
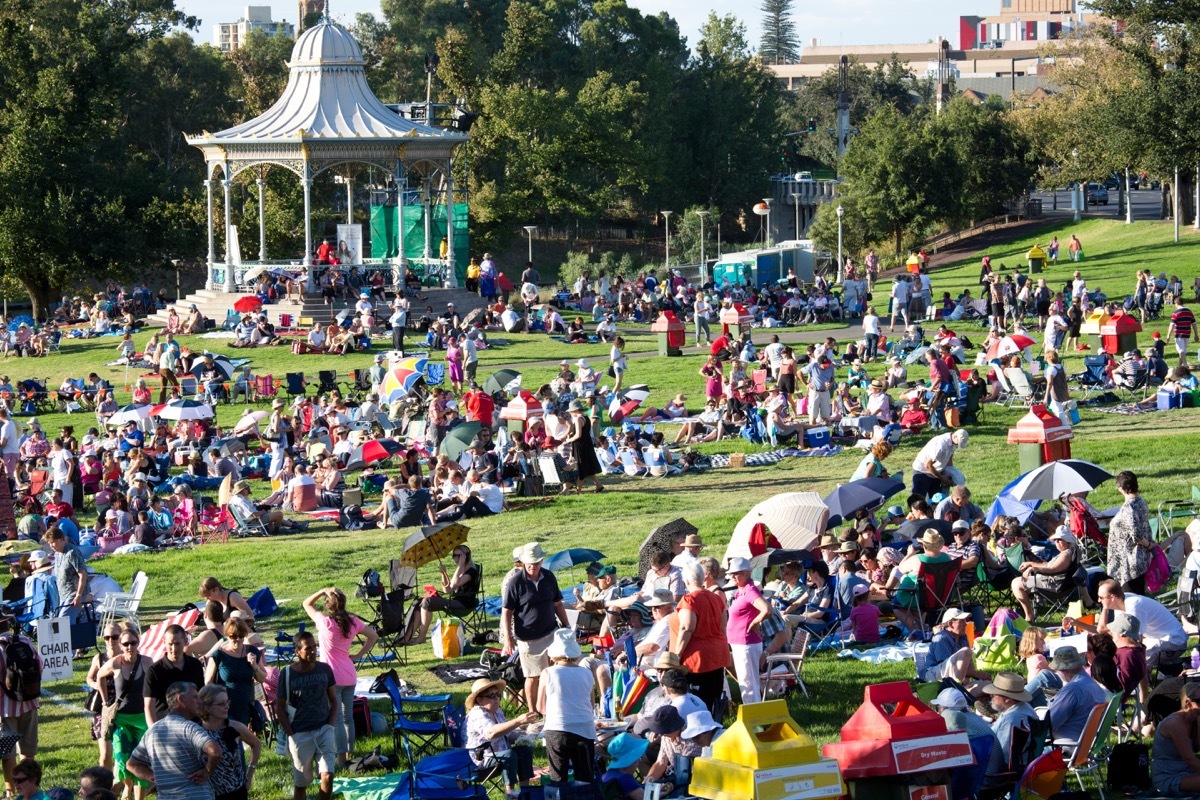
(1073, 412)
(816, 437)
(765, 756)
(1168, 399)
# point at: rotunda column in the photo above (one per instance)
(228, 186)
(262, 221)
(310, 283)
(451, 277)
(208, 281)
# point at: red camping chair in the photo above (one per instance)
(938, 585)
(1087, 530)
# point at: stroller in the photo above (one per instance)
(1084, 526)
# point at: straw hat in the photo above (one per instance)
(848, 547)
(827, 540)
(480, 686)
(241, 486)
(669, 660)
(932, 538)
(693, 540)
(1010, 685)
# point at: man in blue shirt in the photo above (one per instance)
(131, 437)
(1069, 709)
(950, 653)
(1011, 700)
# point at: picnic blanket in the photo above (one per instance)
(775, 456)
(459, 673)
(887, 653)
(1126, 409)
(324, 513)
(380, 787)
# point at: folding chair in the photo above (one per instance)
(1093, 543)
(474, 620)
(1094, 376)
(214, 529)
(385, 423)
(1022, 387)
(264, 387)
(630, 466)
(327, 381)
(1090, 752)
(1006, 390)
(294, 384)
(781, 675)
(414, 736)
(188, 386)
(937, 585)
(362, 383)
(124, 605)
(1127, 387)
(548, 468)
(449, 775)
(243, 527)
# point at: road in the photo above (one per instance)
(1147, 204)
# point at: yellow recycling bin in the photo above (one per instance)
(1091, 328)
(1037, 260)
(765, 756)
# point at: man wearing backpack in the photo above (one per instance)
(21, 673)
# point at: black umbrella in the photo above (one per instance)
(661, 538)
(459, 439)
(773, 558)
(913, 528)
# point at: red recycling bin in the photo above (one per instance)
(1118, 334)
(737, 315)
(521, 410)
(670, 334)
(1041, 437)
(895, 746)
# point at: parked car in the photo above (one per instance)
(1097, 195)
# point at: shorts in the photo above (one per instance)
(1158, 651)
(533, 655)
(1181, 345)
(304, 746)
(26, 726)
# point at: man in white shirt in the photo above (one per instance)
(10, 441)
(1056, 326)
(316, 339)
(1162, 632)
(692, 546)
(301, 491)
(774, 353)
(61, 466)
(607, 330)
(662, 607)
(899, 301)
(700, 311)
(398, 321)
(661, 575)
(937, 456)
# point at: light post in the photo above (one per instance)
(767, 203)
(839, 216)
(529, 229)
(703, 260)
(667, 220)
(796, 203)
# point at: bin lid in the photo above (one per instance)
(912, 261)
(891, 711)
(736, 315)
(1119, 323)
(667, 321)
(1035, 252)
(765, 735)
(522, 407)
(1039, 426)
(1094, 322)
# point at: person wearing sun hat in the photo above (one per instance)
(1069, 709)
(492, 738)
(950, 653)
(564, 700)
(1011, 701)
(532, 610)
(692, 546)
(625, 753)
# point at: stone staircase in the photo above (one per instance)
(214, 305)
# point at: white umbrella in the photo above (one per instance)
(253, 273)
(1051, 481)
(249, 421)
(796, 519)
(186, 409)
(130, 413)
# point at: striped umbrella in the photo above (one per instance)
(1009, 345)
(153, 642)
(398, 383)
(415, 364)
(184, 409)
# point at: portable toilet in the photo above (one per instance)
(765, 756)
(670, 332)
(1037, 259)
(1118, 335)
(1041, 437)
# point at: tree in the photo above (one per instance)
(780, 44)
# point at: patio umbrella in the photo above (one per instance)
(618, 411)
(500, 380)
(248, 304)
(185, 409)
(850, 498)
(130, 413)
(571, 558)
(1004, 506)
(916, 355)
(225, 491)
(773, 558)
(638, 392)
(397, 384)
(796, 519)
(372, 451)
(913, 528)
(1053, 480)
(459, 439)
(661, 538)
(414, 363)
(431, 543)
(248, 423)
(223, 365)
(1008, 346)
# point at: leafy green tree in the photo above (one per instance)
(780, 44)
(824, 228)
(261, 71)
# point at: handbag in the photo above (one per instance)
(94, 703)
(612, 373)
(997, 655)
(1159, 571)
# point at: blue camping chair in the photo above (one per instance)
(449, 775)
(1093, 377)
(419, 732)
(968, 781)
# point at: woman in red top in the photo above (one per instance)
(698, 637)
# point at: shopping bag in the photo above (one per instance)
(1159, 571)
(448, 639)
(997, 655)
(634, 694)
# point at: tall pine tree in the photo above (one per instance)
(780, 44)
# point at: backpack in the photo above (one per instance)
(1129, 767)
(352, 518)
(369, 586)
(22, 675)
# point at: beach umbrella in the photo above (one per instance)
(397, 384)
(371, 451)
(850, 498)
(431, 543)
(459, 439)
(573, 557)
(1004, 506)
(248, 304)
(225, 491)
(661, 538)
(254, 272)
(412, 363)
(638, 391)
(248, 422)
(500, 380)
(773, 558)
(185, 409)
(618, 411)
(154, 639)
(1008, 346)
(795, 519)
(916, 355)
(1053, 480)
(229, 447)
(224, 366)
(913, 528)
(130, 413)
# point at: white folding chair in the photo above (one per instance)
(782, 670)
(1021, 386)
(124, 605)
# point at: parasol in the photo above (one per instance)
(431, 543)
(225, 492)
(398, 383)
(371, 451)
(1008, 346)
(458, 439)
(500, 380)
(618, 411)
(185, 409)
(130, 413)
(1051, 481)
(662, 538)
(850, 498)
(248, 304)
(571, 558)
(154, 640)
(796, 519)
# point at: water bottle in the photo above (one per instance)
(1196, 658)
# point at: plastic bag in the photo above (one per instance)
(448, 639)
(1159, 572)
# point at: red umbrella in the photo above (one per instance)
(1009, 345)
(248, 304)
(372, 451)
(618, 413)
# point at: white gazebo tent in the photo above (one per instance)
(327, 118)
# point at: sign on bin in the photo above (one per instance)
(803, 781)
(939, 792)
(933, 752)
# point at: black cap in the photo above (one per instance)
(664, 720)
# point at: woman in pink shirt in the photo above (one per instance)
(747, 611)
(336, 632)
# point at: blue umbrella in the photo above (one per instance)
(571, 558)
(850, 498)
(1009, 506)
(19, 320)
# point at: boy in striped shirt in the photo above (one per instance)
(1183, 328)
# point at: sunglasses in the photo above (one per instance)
(112, 638)
(130, 643)
(490, 696)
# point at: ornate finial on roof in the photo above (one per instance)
(327, 11)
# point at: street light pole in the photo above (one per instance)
(1128, 200)
(529, 229)
(839, 216)
(796, 203)
(767, 202)
(667, 220)
(703, 260)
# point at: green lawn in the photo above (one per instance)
(617, 521)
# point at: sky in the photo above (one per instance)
(853, 21)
